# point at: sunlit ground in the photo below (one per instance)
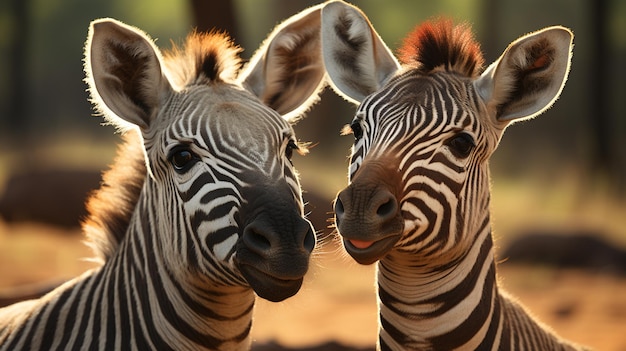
(338, 301)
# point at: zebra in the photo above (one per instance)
(202, 207)
(418, 197)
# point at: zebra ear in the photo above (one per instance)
(356, 58)
(287, 72)
(123, 68)
(529, 76)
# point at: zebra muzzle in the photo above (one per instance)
(368, 218)
(274, 258)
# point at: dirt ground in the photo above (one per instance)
(338, 302)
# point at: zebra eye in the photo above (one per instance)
(182, 158)
(357, 130)
(290, 147)
(461, 145)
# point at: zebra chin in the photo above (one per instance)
(269, 287)
(368, 252)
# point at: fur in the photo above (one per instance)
(439, 44)
(111, 207)
(204, 58)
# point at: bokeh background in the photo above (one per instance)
(559, 181)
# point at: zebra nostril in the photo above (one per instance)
(265, 240)
(388, 208)
(339, 210)
(309, 240)
(257, 239)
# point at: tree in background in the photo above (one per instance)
(220, 15)
(16, 118)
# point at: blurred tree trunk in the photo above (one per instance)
(602, 155)
(490, 24)
(219, 15)
(17, 118)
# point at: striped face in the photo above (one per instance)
(425, 129)
(418, 168)
(222, 203)
(418, 200)
(227, 192)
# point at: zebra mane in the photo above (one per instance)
(440, 44)
(110, 208)
(204, 58)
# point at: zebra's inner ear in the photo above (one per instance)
(287, 72)
(529, 76)
(357, 60)
(123, 69)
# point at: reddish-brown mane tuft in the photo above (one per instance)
(440, 44)
(111, 207)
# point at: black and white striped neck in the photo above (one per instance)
(423, 307)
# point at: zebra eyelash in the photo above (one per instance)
(346, 130)
(291, 146)
(300, 147)
(354, 128)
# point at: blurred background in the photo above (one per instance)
(559, 181)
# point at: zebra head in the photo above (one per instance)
(425, 129)
(221, 204)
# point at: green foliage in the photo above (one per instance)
(617, 20)
(59, 27)
(56, 34)
(394, 22)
